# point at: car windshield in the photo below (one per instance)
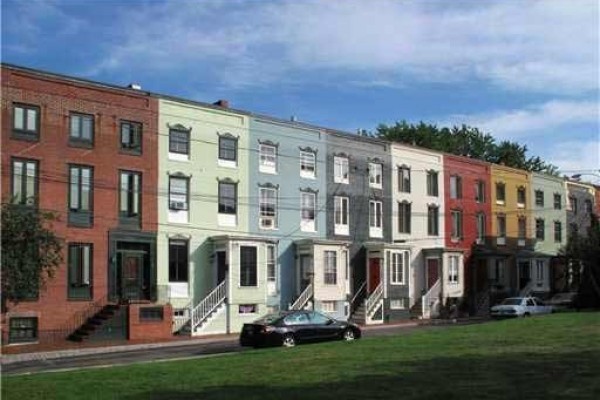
(512, 302)
(268, 319)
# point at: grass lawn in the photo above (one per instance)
(554, 356)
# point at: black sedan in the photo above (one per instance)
(291, 327)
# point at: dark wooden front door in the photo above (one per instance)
(132, 276)
(524, 273)
(374, 273)
(433, 271)
(222, 267)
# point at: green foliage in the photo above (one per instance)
(584, 250)
(464, 141)
(31, 251)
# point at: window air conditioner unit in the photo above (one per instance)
(267, 222)
(177, 205)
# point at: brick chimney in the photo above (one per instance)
(222, 103)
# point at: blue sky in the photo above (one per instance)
(522, 70)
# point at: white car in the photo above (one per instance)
(514, 307)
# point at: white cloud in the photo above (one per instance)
(576, 157)
(532, 120)
(547, 46)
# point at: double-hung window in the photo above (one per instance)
(588, 206)
(248, 266)
(521, 197)
(457, 225)
(227, 198)
(179, 143)
(573, 202)
(330, 270)
(81, 129)
(557, 201)
(522, 230)
(130, 196)
(341, 214)
(453, 269)
(432, 183)
(404, 217)
(397, 268)
(455, 187)
(80, 195)
(131, 137)
(539, 198)
(341, 170)
(179, 193)
(80, 270)
(271, 263)
(228, 151)
(557, 231)
(26, 122)
(375, 175)
(267, 159)
(308, 205)
(308, 164)
(268, 208)
(480, 192)
(178, 260)
(500, 193)
(501, 229)
(480, 227)
(540, 233)
(25, 177)
(432, 220)
(23, 329)
(375, 218)
(404, 179)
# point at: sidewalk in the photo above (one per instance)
(187, 341)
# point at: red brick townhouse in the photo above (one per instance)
(468, 216)
(87, 151)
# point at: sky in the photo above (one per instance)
(525, 71)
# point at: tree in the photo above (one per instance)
(31, 251)
(464, 141)
(584, 251)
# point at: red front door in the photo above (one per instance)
(433, 272)
(374, 273)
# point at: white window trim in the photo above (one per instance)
(374, 230)
(341, 229)
(267, 167)
(273, 218)
(339, 165)
(402, 259)
(376, 173)
(307, 174)
(308, 225)
(453, 278)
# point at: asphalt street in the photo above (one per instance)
(186, 351)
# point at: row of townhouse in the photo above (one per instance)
(186, 217)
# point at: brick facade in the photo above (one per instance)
(57, 97)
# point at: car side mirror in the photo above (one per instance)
(329, 322)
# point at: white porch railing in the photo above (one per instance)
(303, 298)
(183, 318)
(210, 303)
(373, 299)
(431, 299)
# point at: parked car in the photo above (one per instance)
(513, 307)
(563, 301)
(291, 327)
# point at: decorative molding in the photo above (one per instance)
(227, 135)
(341, 154)
(178, 236)
(308, 149)
(227, 180)
(178, 174)
(375, 160)
(268, 143)
(268, 185)
(179, 127)
(309, 190)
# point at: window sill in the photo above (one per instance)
(28, 137)
(308, 176)
(269, 171)
(130, 152)
(227, 164)
(83, 144)
(22, 343)
(500, 202)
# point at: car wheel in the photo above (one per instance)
(289, 340)
(526, 315)
(348, 335)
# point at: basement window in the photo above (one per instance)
(151, 314)
(247, 309)
(23, 330)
